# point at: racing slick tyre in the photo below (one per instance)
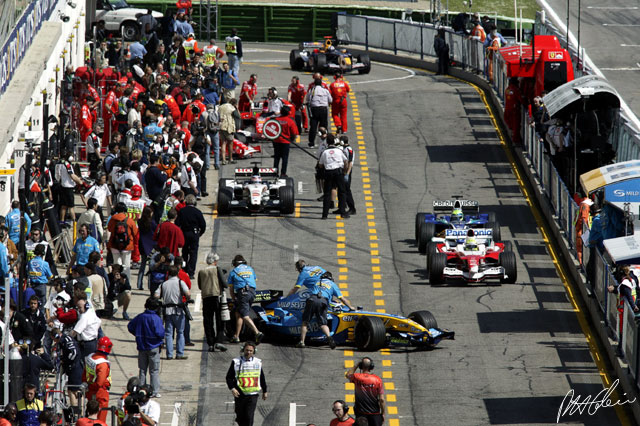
(438, 261)
(508, 262)
(427, 231)
(424, 318)
(291, 183)
(366, 62)
(508, 246)
(491, 217)
(287, 200)
(295, 60)
(419, 221)
(224, 197)
(495, 228)
(370, 334)
(130, 30)
(320, 63)
(432, 248)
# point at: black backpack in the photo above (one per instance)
(121, 234)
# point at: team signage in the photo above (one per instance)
(21, 37)
(627, 191)
(463, 232)
(272, 129)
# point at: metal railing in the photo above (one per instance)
(415, 38)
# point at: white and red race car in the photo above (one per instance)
(256, 190)
(478, 261)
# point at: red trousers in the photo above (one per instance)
(244, 106)
(339, 114)
(135, 254)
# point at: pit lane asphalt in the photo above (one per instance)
(519, 348)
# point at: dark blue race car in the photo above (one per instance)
(453, 214)
(326, 57)
(281, 318)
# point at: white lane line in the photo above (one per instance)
(621, 25)
(613, 7)
(621, 69)
(300, 187)
(629, 45)
(250, 61)
(196, 307)
(559, 23)
(296, 255)
(411, 72)
(176, 414)
(292, 414)
(263, 50)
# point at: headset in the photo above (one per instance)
(371, 365)
(249, 343)
(345, 407)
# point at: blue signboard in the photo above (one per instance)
(627, 191)
(21, 37)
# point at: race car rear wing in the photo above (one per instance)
(467, 206)
(262, 171)
(483, 236)
(311, 45)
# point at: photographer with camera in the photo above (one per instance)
(120, 289)
(138, 405)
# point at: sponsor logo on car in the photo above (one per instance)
(463, 232)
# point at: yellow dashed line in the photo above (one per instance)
(297, 210)
(386, 363)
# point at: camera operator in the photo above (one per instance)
(139, 405)
(120, 288)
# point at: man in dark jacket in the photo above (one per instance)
(35, 317)
(191, 221)
(149, 332)
(442, 51)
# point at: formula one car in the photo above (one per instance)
(253, 121)
(324, 57)
(256, 190)
(481, 260)
(281, 318)
(452, 214)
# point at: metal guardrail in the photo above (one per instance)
(401, 36)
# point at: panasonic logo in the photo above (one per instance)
(622, 193)
(463, 232)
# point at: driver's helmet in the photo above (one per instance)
(470, 242)
(457, 215)
(256, 179)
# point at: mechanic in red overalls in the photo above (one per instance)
(109, 111)
(512, 103)
(86, 118)
(248, 93)
(97, 374)
(282, 143)
(339, 89)
(296, 95)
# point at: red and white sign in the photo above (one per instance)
(558, 56)
(272, 129)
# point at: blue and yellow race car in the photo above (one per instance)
(457, 214)
(280, 318)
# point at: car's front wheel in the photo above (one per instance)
(130, 30)
(424, 318)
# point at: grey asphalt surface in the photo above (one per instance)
(519, 348)
(609, 34)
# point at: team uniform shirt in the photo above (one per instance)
(333, 158)
(242, 276)
(289, 130)
(87, 325)
(83, 248)
(248, 89)
(93, 144)
(348, 152)
(188, 176)
(339, 90)
(124, 196)
(327, 289)
(367, 389)
(39, 271)
(309, 276)
(298, 92)
(12, 222)
(313, 84)
(63, 175)
(99, 192)
(274, 105)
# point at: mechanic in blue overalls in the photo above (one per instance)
(317, 304)
(13, 222)
(243, 280)
(39, 273)
(308, 276)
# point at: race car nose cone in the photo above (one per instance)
(474, 269)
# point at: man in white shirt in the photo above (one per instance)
(333, 162)
(149, 410)
(318, 100)
(135, 115)
(91, 218)
(86, 329)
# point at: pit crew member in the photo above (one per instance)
(296, 95)
(308, 276)
(243, 279)
(339, 90)
(369, 392)
(248, 93)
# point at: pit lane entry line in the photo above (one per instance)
(559, 265)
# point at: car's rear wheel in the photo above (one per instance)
(364, 59)
(291, 182)
(427, 231)
(370, 334)
(225, 195)
(495, 230)
(130, 30)
(321, 62)
(432, 248)
(419, 221)
(508, 262)
(287, 200)
(424, 318)
(295, 60)
(491, 217)
(437, 263)
(507, 246)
